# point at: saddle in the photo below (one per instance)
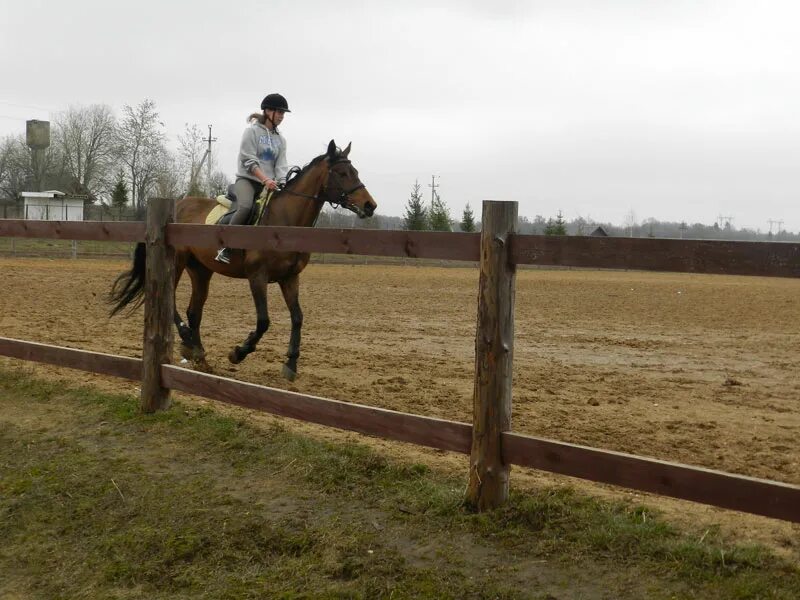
(222, 213)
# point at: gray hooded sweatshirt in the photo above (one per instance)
(265, 149)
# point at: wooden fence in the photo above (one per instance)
(492, 446)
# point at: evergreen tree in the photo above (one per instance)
(119, 197)
(416, 218)
(467, 220)
(557, 227)
(440, 215)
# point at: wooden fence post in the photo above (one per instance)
(158, 304)
(494, 352)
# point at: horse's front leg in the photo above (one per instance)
(258, 287)
(192, 346)
(291, 290)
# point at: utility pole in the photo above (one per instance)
(724, 221)
(433, 185)
(774, 222)
(208, 153)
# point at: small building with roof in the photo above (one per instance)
(52, 206)
(599, 232)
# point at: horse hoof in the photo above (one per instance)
(203, 367)
(289, 373)
(234, 356)
(187, 352)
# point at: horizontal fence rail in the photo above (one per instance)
(773, 259)
(373, 242)
(84, 360)
(388, 424)
(706, 486)
(102, 231)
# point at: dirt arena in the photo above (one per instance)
(701, 370)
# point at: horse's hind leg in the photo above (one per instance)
(258, 287)
(291, 291)
(201, 277)
(184, 331)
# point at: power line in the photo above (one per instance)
(26, 106)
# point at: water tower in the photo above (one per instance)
(37, 136)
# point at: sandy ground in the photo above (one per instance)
(701, 370)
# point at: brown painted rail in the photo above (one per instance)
(774, 259)
(94, 362)
(103, 231)
(372, 242)
(388, 424)
(707, 486)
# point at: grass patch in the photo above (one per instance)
(99, 500)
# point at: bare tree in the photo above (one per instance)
(141, 142)
(219, 183)
(19, 172)
(170, 181)
(15, 166)
(85, 137)
(193, 153)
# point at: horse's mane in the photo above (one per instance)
(295, 173)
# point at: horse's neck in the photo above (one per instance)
(299, 209)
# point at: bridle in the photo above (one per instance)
(336, 197)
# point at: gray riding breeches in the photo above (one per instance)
(246, 191)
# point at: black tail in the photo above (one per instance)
(129, 286)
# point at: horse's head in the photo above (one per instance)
(343, 187)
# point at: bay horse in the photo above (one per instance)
(330, 177)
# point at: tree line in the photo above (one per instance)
(117, 160)
(435, 216)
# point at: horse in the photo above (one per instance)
(330, 177)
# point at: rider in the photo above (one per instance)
(262, 160)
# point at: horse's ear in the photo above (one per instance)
(347, 150)
(332, 150)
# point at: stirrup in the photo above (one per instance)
(223, 256)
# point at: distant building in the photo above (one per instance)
(52, 206)
(599, 232)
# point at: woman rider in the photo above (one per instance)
(262, 160)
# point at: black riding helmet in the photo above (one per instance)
(275, 102)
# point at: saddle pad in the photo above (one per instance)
(224, 205)
(216, 213)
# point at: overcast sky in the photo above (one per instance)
(677, 110)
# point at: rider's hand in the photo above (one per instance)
(270, 184)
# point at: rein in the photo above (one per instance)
(342, 199)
